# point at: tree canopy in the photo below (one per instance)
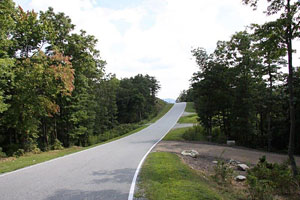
(54, 91)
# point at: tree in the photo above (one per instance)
(288, 25)
(271, 52)
(6, 63)
(136, 98)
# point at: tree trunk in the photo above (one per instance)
(291, 93)
(269, 118)
(45, 134)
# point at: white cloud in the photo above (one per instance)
(161, 32)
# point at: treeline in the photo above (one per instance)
(54, 91)
(240, 90)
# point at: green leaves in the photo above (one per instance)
(53, 89)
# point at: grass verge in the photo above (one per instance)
(175, 134)
(190, 107)
(11, 163)
(164, 177)
(165, 109)
(192, 118)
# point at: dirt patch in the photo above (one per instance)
(2, 160)
(211, 152)
(208, 152)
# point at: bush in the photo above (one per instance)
(57, 145)
(19, 152)
(267, 179)
(93, 139)
(223, 172)
(195, 133)
(218, 136)
(2, 154)
(117, 131)
(30, 144)
(36, 150)
(259, 189)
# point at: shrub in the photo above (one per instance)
(2, 154)
(223, 172)
(195, 133)
(19, 152)
(218, 136)
(93, 139)
(36, 150)
(57, 145)
(266, 179)
(259, 189)
(30, 144)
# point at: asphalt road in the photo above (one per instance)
(103, 173)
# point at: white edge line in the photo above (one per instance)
(68, 155)
(54, 159)
(133, 183)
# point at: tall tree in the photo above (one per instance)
(288, 25)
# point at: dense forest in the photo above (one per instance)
(54, 91)
(242, 90)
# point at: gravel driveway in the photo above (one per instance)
(206, 150)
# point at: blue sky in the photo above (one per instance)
(154, 36)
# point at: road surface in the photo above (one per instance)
(102, 173)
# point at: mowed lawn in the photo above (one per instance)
(190, 107)
(190, 119)
(165, 177)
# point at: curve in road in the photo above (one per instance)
(105, 172)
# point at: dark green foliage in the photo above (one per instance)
(19, 152)
(239, 91)
(223, 174)
(54, 92)
(195, 133)
(2, 154)
(136, 98)
(284, 30)
(57, 145)
(268, 179)
(186, 96)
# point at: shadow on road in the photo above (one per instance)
(87, 195)
(114, 176)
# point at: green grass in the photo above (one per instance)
(165, 109)
(11, 163)
(164, 177)
(190, 107)
(185, 134)
(189, 119)
(175, 134)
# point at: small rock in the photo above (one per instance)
(234, 162)
(191, 153)
(242, 167)
(215, 162)
(240, 178)
(231, 142)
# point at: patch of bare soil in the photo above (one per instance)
(210, 152)
(7, 159)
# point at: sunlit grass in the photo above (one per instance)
(189, 119)
(164, 177)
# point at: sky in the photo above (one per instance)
(154, 37)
